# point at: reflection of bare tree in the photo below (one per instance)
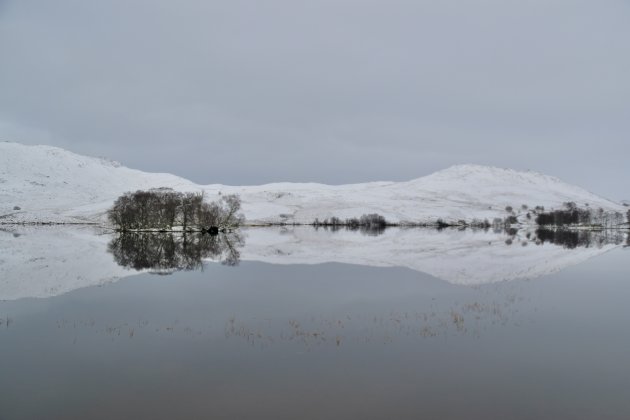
(564, 237)
(172, 251)
(369, 230)
(571, 239)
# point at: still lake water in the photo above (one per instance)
(324, 341)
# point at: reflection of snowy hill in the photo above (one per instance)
(459, 257)
(41, 183)
(43, 262)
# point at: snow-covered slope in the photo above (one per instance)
(48, 184)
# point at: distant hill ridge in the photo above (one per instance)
(49, 184)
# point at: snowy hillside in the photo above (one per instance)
(48, 184)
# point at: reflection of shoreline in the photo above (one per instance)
(565, 237)
(50, 261)
(458, 256)
(162, 251)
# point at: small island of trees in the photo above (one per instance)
(167, 210)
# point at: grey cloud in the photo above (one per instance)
(337, 91)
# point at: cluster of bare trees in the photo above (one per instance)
(372, 220)
(369, 224)
(165, 209)
(573, 215)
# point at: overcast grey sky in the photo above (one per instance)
(335, 91)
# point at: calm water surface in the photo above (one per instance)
(263, 341)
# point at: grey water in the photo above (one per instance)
(252, 340)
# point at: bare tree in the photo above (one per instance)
(229, 215)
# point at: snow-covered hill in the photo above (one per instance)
(48, 184)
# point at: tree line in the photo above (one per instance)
(165, 209)
(372, 220)
(370, 224)
(571, 214)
